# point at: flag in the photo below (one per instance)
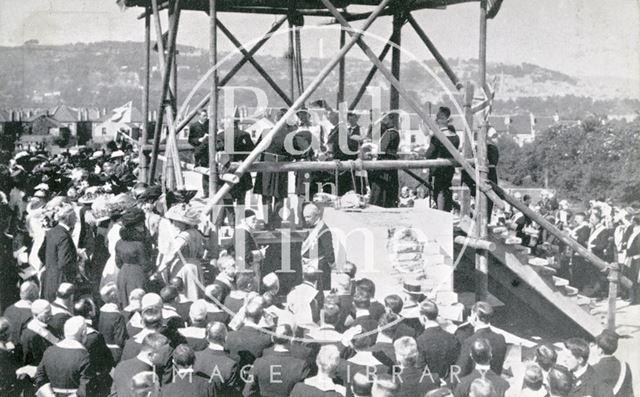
(122, 114)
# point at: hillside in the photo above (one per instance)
(107, 74)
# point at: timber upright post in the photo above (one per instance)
(142, 156)
(614, 278)
(396, 41)
(341, 67)
(467, 142)
(482, 257)
(213, 103)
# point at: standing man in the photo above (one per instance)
(317, 248)
(575, 356)
(198, 138)
(632, 261)
(58, 253)
(384, 183)
(613, 372)
(442, 176)
(580, 233)
(344, 149)
(601, 244)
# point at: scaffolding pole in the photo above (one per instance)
(144, 136)
(213, 94)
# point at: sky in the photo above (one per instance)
(577, 37)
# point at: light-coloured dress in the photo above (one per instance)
(188, 266)
(110, 272)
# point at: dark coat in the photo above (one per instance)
(58, 253)
(500, 385)
(417, 382)
(101, 361)
(221, 369)
(384, 184)
(247, 339)
(302, 390)
(242, 146)
(123, 374)
(326, 255)
(590, 384)
(9, 363)
(65, 368)
(608, 369)
(34, 346)
(274, 184)
(112, 326)
(201, 149)
(438, 349)
(18, 318)
(133, 258)
(498, 351)
(283, 368)
(191, 385)
(436, 150)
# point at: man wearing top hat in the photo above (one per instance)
(442, 176)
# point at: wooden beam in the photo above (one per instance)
(467, 144)
(372, 72)
(213, 94)
(434, 51)
(396, 43)
(184, 121)
(144, 136)
(255, 63)
(475, 243)
(341, 66)
(322, 75)
(486, 188)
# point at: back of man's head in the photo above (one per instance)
(38, 306)
(482, 387)
(255, 309)
(342, 284)
(65, 291)
(608, 341)
(5, 328)
(429, 309)
(152, 319)
(214, 291)
(560, 381)
(406, 350)
(216, 332)
(546, 356)
(183, 356)
(169, 294)
(388, 324)
(394, 303)
(153, 342)
(109, 293)
(328, 359)
(366, 285)
(483, 311)
(151, 301)
(198, 311)
(481, 351)
(533, 377)
(362, 300)
(75, 328)
(283, 334)
(331, 314)
(29, 291)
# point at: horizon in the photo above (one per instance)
(579, 39)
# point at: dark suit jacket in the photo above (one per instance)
(438, 350)
(302, 390)
(590, 384)
(247, 339)
(123, 374)
(415, 382)
(498, 351)
(326, 255)
(191, 385)
(602, 246)
(283, 368)
(608, 369)
(499, 384)
(58, 253)
(18, 318)
(221, 369)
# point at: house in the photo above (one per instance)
(42, 123)
(67, 117)
(126, 118)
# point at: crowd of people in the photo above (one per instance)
(112, 287)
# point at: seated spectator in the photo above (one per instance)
(326, 333)
(195, 334)
(37, 336)
(19, 313)
(186, 382)
(277, 372)
(216, 363)
(560, 381)
(414, 380)
(439, 349)
(362, 317)
(481, 358)
(613, 372)
(150, 359)
(322, 385)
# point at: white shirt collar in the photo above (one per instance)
(216, 347)
(480, 326)
(580, 371)
(324, 383)
(70, 344)
(382, 338)
(362, 312)
(143, 357)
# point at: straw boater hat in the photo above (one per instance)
(117, 154)
(183, 213)
(412, 287)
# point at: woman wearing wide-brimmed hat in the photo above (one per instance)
(183, 259)
(116, 206)
(133, 253)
